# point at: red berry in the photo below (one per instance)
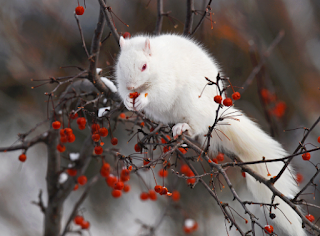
(62, 132)
(82, 180)
(184, 169)
(227, 102)
(95, 137)
(71, 138)
(72, 172)
(243, 174)
(122, 116)
(215, 160)
(22, 157)
(134, 95)
(111, 180)
(164, 191)
(175, 195)
(104, 172)
(144, 196)
(98, 150)
(163, 173)
(166, 149)
(56, 124)
(319, 139)
(68, 131)
(158, 188)
(78, 220)
(81, 127)
(63, 139)
(152, 195)
(184, 151)
(85, 225)
(119, 185)
(217, 99)
(137, 148)
(126, 35)
(79, 10)
(95, 128)
(73, 116)
(306, 156)
(142, 124)
(103, 132)
(61, 147)
(126, 188)
(220, 156)
(269, 228)
(81, 121)
(236, 96)
(125, 172)
(114, 141)
(76, 186)
(116, 193)
(191, 181)
(146, 161)
(299, 177)
(310, 217)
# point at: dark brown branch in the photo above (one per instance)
(189, 17)
(109, 20)
(79, 202)
(266, 182)
(53, 214)
(297, 149)
(159, 17)
(307, 185)
(27, 144)
(81, 35)
(202, 18)
(264, 57)
(40, 202)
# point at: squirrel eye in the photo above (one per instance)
(144, 67)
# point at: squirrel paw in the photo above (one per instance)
(128, 102)
(141, 102)
(179, 128)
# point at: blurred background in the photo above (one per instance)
(38, 37)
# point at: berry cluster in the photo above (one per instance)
(79, 220)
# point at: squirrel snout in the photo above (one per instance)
(130, 88)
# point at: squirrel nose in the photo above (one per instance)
(130, 88)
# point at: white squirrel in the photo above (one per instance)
(169, 73)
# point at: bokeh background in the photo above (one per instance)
(38, 37)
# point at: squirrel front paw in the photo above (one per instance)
(135, 101)
(179, 128)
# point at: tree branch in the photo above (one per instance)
(159, 17)
(189, 17)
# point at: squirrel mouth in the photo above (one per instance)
(138, 89)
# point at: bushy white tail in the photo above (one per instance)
(245, 139)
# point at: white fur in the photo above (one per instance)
(170, 88)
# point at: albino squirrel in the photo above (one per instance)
(169, 73)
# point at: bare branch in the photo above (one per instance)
(267, 53)
(159, 17)
(189, 17)
(109, 20)
(202, 18)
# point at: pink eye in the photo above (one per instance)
(144, 67)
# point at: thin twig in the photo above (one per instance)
(202, 18)
(264, 57)
(81, 35)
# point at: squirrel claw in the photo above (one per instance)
(179, 128)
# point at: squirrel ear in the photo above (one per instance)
(122, 42)
(147, 48)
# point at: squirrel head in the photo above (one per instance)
(134, 67)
